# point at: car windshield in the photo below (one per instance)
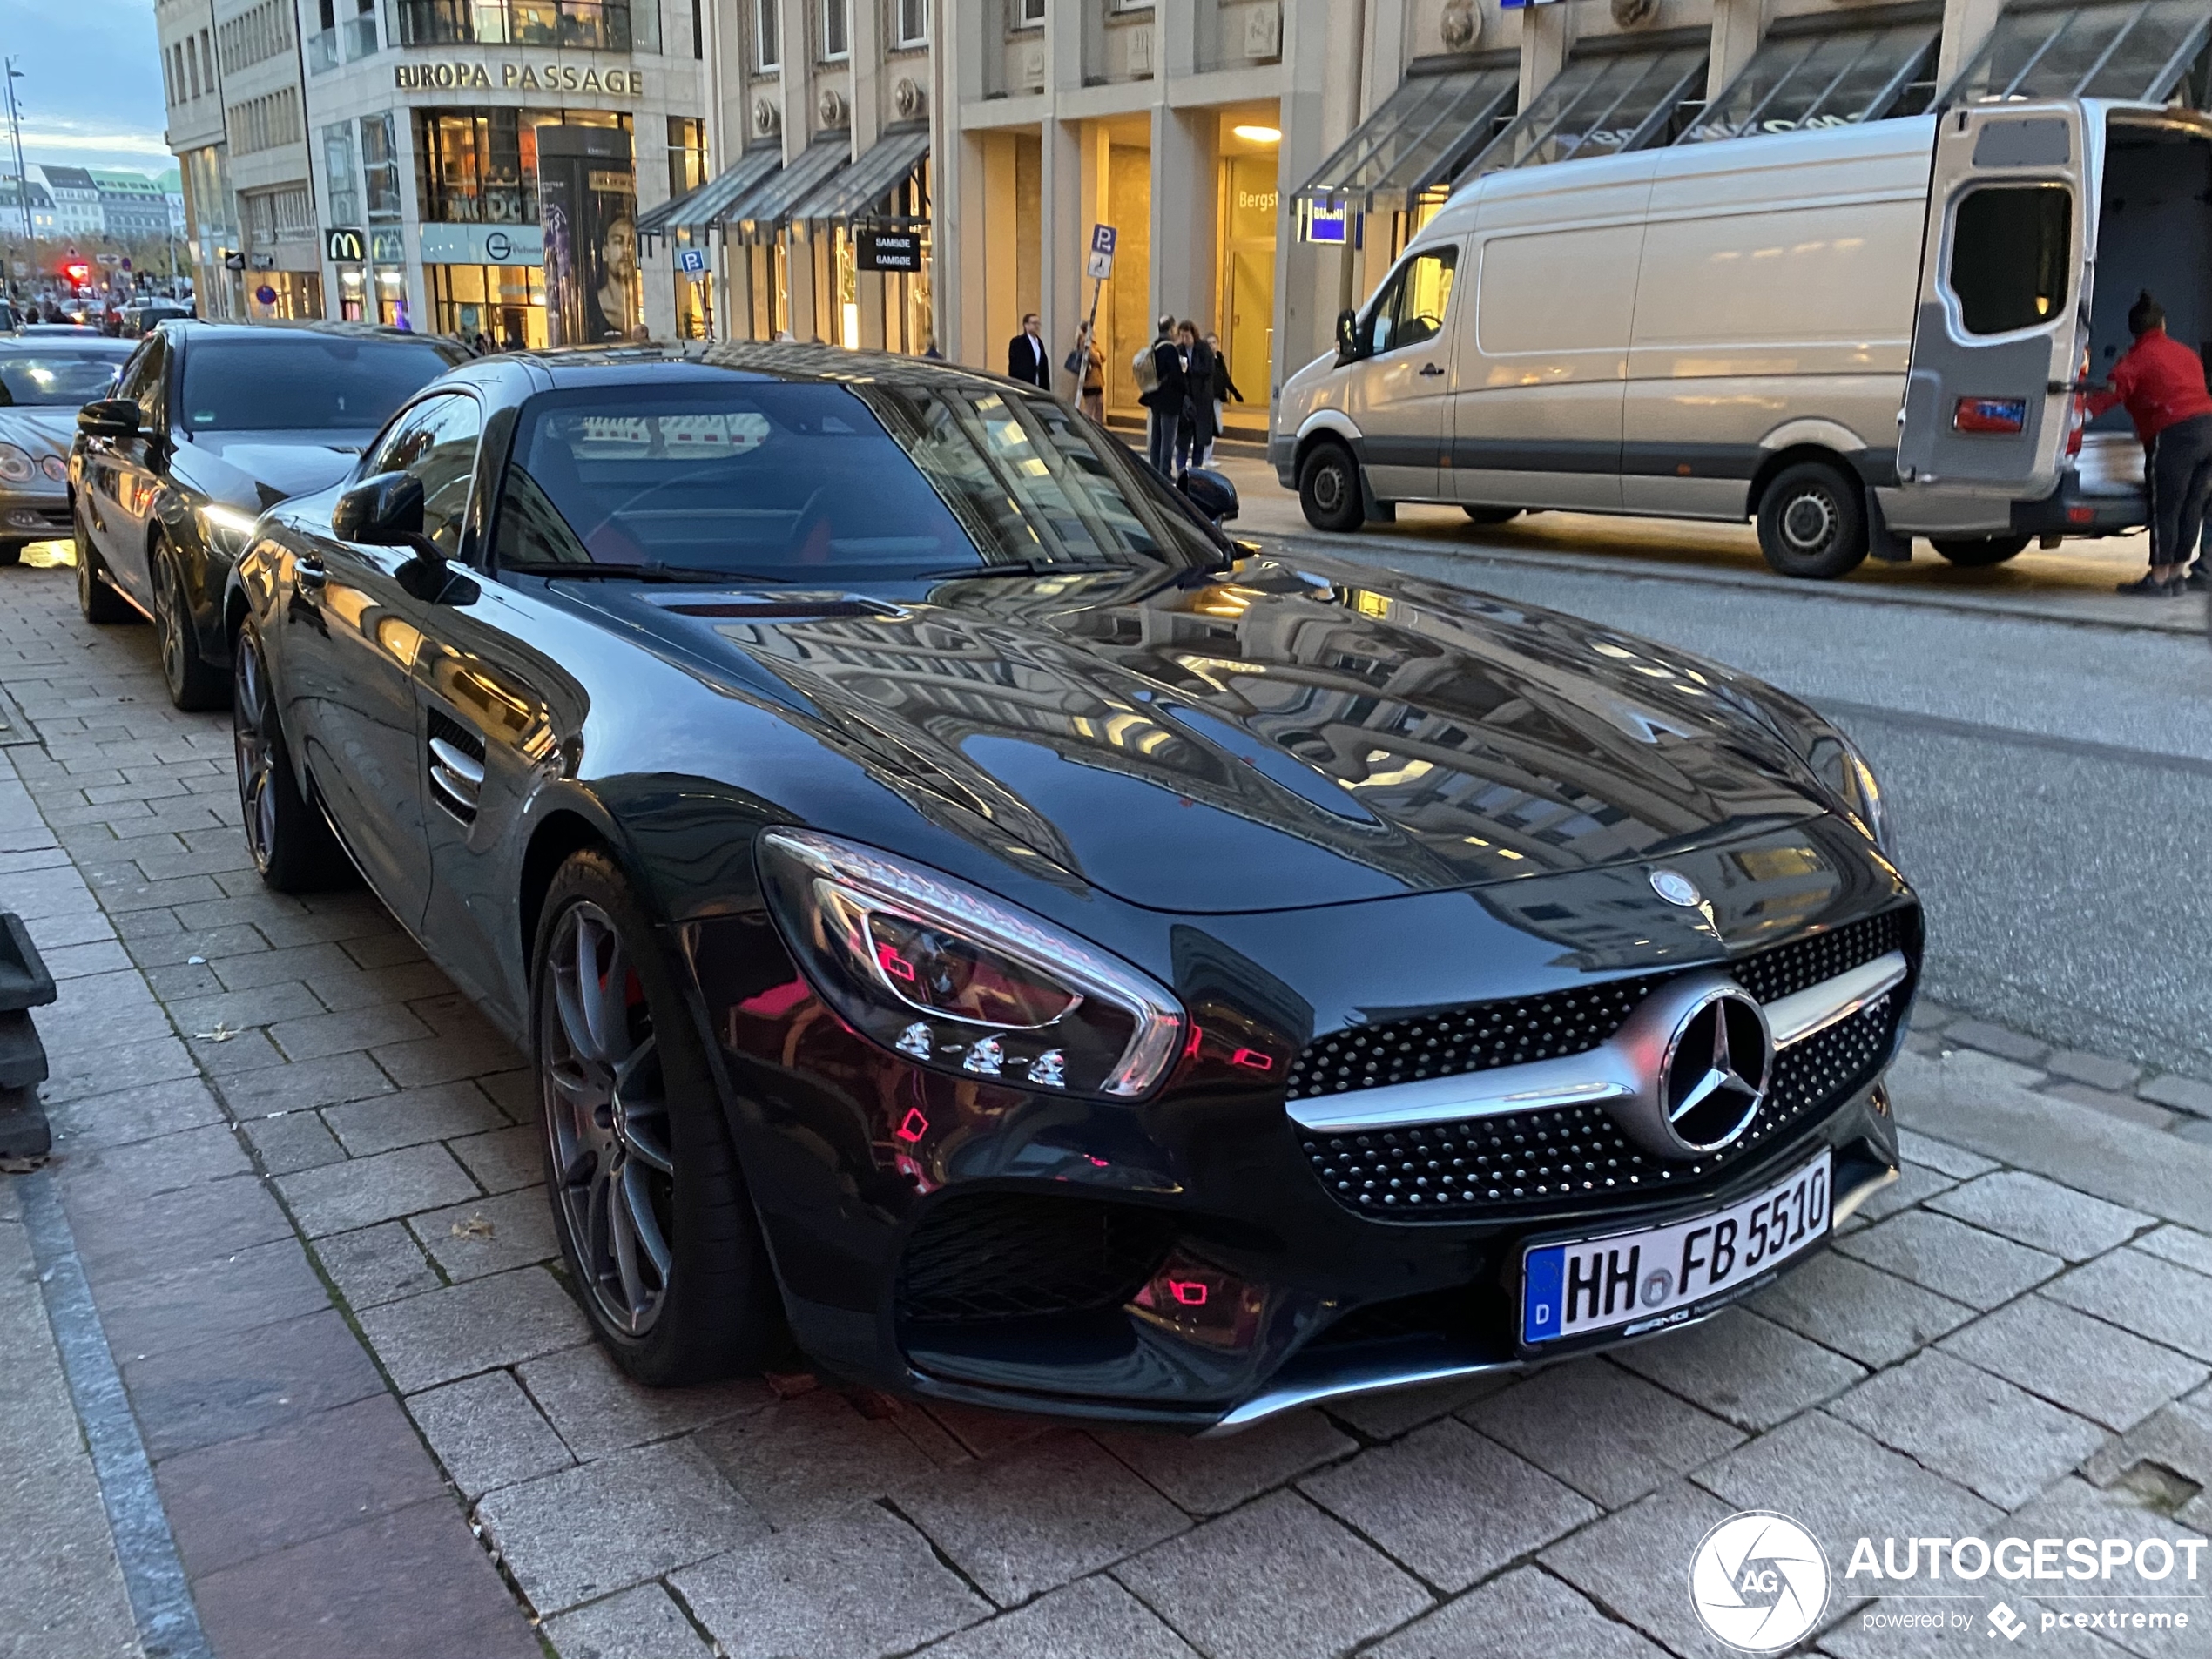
(844, 483)
(57, 377)
(302, 382)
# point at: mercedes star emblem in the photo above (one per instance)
(1676, 888)
(1716, 1074)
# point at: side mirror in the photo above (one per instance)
(1347, 334)
(1211, 493)
(385, 511)
(108, 417)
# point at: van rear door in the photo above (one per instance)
(1998, 332)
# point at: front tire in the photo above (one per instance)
(193, 683)
(11, 553)
(292, 846)
(1978, 552)
(651, 1208)
(99, 603)
(1328, 490)
(1812, 522)
(1491, 515)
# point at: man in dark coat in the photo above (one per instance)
(1171, 386)
(1025, 358)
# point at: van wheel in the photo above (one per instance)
(1975, 552)
(1328, 490)
(1812, 522)
(1492, 515)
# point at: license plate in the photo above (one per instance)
(1633, 1282)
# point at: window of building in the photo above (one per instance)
(479, 167)
(207, 60)
(767, 36)
(687, 168)
(380, 168)
(1029, 14)
(341, 188)
(506, 303)
(591, 25)
(264, 123)
(287, 215)
(191, 62)
(2012, 256)
(914, 20)
(837, 30)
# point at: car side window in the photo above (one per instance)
(141, 372)
(152, 393)
(435, 441)
(1410, 309)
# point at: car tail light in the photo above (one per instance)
(2001, 416)
(2077, 412)
(960, 982)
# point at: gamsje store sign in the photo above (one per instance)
(463, 76)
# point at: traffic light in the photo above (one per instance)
(78, 272)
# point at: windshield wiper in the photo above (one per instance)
(653, 570)
(1029, 567)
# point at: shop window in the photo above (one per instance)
(2012, 256)
(837, 30)
(505, 303)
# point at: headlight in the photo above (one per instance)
(958, 980)
(54, 468)
(227, 529)
(16, 467)
(1839, 764)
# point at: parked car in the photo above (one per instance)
(965, 915)
(1853, 335)
(69, 330)
(43, 381)
(210, 424)
(143, 315)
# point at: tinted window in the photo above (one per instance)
(68, 378)
(301, 382)
(436, 442)
(2012, 256)
(1410, 309)
(799, 482)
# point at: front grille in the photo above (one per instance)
(1482, 1037)
(1012, 1256)
(1524, 1162)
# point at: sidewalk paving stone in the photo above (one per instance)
(223, 1295)
(1839, 1483)
(1093, 1615)
(1206, 1477)
(1611, 1563)
(1648, 1436)
(861, 1582)
(1992, 1437)
(1035, 1518)
(1875, 1318)
(487, 1432)
(1276, 1579)
(413, 1117)
(1448, 1503)
(2147, 1294)
(604, 1525)
(376, 1264)
(1513, 1615)
(596, 1409)
(642, 1623)
(340, 1198)
(485, 1236)
(1743, 1368)
(2107, 1375)
(801, 1460)
(2181, 1245)
(2041, 1214)
(451, 1332)
(198, 1393)
(1950, 1258)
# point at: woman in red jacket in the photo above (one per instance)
(2161, 381)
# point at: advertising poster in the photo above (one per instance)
(587, 194)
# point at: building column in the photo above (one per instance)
(866, 101)
(1738, 26)
(1967, 24)
(1546, 34)
(1066, 245)
(1320, 82)
(958, 245)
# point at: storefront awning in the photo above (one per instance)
(1829, 71)
(696, 210)
(1444, 112)
(2134, 49)
(768, 209)
(858, 191)
(1611, 97)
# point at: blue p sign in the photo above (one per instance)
(1101, 239)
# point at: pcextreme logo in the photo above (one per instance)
(1759, 1581)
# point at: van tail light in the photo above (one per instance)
(2077, 412)
(1999, 416)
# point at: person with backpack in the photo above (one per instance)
(1161, 388)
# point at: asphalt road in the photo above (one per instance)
(2052, 778)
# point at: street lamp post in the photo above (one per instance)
(22, 179)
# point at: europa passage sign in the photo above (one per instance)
(587, 201)
(558, 77)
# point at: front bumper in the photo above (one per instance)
(970, 1241)
(34, 515)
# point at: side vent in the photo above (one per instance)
(456, 765)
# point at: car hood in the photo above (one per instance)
(39, 431)
(261, 469)
(1278, 737)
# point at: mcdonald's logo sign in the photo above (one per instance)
(345, 246)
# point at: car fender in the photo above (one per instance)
(1339, 424)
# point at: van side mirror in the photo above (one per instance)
(1347, 334)
(385, 511)
(108, 417)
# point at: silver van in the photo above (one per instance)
(1852, 335)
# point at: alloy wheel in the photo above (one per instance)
(168, 615)
(606, 1116)
(250, 737)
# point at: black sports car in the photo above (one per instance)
(209, 424)
(970, 917)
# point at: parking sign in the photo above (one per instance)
(691, 261)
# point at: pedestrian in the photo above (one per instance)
(1091, 367)
(1025, 358)
(2161, 382)
(1224, 389)
(1196, 436)
(1162, 391)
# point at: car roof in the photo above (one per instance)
(188, 329)
(652, 360)
(101, 345)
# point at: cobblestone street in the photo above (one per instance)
(301, 1176)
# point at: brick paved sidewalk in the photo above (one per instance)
(302, 1176)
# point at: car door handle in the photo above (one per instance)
(1431, 368)
(308, 575)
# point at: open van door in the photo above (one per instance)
(2003, 266)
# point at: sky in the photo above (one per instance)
(90, 91)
